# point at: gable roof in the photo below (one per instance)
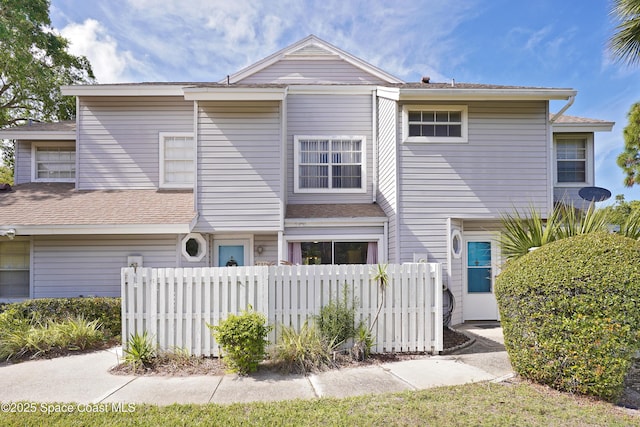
(310, 47)
(57, 208)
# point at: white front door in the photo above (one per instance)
(481, 268)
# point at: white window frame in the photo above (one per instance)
(374, 238)
(162, 136)
(464, 133)
(34, 160)
(296, 172)
(588, 159)
(202, 247)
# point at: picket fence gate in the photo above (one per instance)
(174, 305)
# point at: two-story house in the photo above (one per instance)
(309, 156)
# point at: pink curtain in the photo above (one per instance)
(295, 253)
(372, 253)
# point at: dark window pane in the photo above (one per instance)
(455, 130)
(442, 130)
(347, 176)
(192, 247)
(442, 116)
(455, 116)
(350, 252)
(415, 116)
(571, 171)
(414, 130)
(428, 130)
(316, 253)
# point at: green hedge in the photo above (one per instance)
(570, 313)
(104, 309)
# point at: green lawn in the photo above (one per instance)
(472, 404)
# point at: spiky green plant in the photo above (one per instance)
(381, 277)
(141, 350)
(79, 333)
(523, 231)
(631, 226)
(574, 222)
(304, 351)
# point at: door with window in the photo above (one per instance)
(481, 265)
(231, 252)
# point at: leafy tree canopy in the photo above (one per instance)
(34, 64)
(629, 159)
(622, 210)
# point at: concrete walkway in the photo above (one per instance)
(85, 378)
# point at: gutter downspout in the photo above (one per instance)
(374, 138)
(557, 115)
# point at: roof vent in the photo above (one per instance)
(426, 79)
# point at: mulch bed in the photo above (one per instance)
(171, 366)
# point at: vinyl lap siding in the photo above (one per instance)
(119, 139)
(239, 173)
(387, 169)
(300, 71)
(329, 115)
(504, 165)
(70, 266)
(23, 162)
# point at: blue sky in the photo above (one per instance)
(550, 43)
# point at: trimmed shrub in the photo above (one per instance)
(244, 339)
(570, 313)
(103, 309)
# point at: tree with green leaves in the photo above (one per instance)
(34, 64)
(625, 43)
(629, 159)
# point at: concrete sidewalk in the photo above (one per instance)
(85, 378)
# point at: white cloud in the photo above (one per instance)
(92, 40)
(208, 39)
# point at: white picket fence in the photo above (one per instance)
(174, 305)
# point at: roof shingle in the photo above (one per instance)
(59, 204)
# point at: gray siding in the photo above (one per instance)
(504, 165)
(23, 162)
(269, 245)
(321, 232)
(239, 166)
(569, 195)
(329, 115)
(455, 277)
(118, 142)
(312, 71)
(387, 169)
(69, 266)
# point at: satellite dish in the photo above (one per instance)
(594, 194)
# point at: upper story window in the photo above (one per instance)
(572, 159)
(177, 160)
(333, 163)
(54, 162)
(435, 123)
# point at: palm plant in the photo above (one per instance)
(527, 230)
(382, 278)
(625, 43)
